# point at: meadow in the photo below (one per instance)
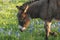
(9, 24)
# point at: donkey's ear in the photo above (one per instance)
(18, 7)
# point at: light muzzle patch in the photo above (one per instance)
(22, 28)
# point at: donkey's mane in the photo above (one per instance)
(29, 2)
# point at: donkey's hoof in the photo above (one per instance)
(53, 34)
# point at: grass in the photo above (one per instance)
(9, 24)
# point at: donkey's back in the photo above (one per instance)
(57, 11)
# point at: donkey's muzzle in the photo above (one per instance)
(21, 28)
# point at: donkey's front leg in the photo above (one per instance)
(47, 28)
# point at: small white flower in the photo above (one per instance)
(1, 29)
(58, 23)
(9, 32)
(17, 34)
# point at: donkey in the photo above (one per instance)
(39, 9)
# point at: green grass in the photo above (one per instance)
(9, 24)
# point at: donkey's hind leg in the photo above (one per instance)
(47, 29)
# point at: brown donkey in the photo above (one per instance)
(42, 9)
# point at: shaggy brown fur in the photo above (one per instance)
(47, 10)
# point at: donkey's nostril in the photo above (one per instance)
(21, 30)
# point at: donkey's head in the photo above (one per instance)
(23, 17)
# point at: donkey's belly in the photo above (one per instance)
(57, 16)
